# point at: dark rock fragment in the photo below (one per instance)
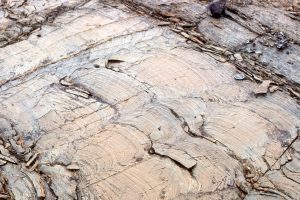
(281, 41)
(217, 8)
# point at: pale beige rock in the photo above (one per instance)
(120, 108)
(263, 88)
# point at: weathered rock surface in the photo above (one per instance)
(102, 100)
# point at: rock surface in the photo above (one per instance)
(138, 100)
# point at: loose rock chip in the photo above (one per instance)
(240, 76)
(263, 87)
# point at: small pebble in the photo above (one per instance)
(238, 57)
(227, 53)
(96, 66)
(264, 62)
(151, 151)
(73, 167)
(239, 77)
(281, 41)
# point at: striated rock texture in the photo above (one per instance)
(139, 100)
